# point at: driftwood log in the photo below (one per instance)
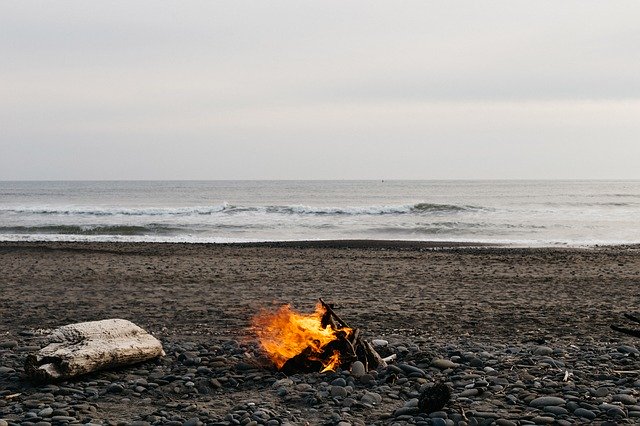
(630, 331)
(81, 348)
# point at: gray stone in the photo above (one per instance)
(338, 392)
(8, 344)
(583, 412)
(45, 412)
(556, 410)
(443, 364)
(379, 343)
(371, 398)
(542, 350)
(357, 369)
(625, 349)
(543, 420)
(469, 392)
(544, 401)
(625, 399)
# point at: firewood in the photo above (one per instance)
(82, 348)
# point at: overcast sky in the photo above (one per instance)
(319, 90)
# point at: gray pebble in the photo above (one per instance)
(357, 369)
(544, 401)
(443, 364)
(625, 399)
(542, 350)
(338, 392)
(583, 412)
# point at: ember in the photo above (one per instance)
(320, 341)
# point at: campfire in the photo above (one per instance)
(316, 342)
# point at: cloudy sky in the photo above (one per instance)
(319, 90)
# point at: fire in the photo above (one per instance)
(285, 334)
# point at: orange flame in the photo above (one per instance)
(285, 333)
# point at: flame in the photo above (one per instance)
(286, 333)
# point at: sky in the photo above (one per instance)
(319, 90)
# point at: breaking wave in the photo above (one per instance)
(225, 208)
(151, 229)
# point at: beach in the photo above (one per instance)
(512, 322)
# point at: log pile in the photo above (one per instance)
(81, 348)
(345, 345)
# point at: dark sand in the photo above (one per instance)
(449, 299)
(497, 294)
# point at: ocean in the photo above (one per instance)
(533, 213)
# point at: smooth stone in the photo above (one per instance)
(543, 420)
(583, 412)
(3, 423)
(410, 369)
(339, 382)
(8, 344)
(556, 410)
(45, 412)
(405, 411)
(371, 398)
(357, 369)
(542, 350)
(115, 388)
(192, 422)
(366, 379)
(625, 399)
(443, 364)
(379, 343)
(602, 391)
(544, 401)
(505, 422)
(469, 392)
(625, 349)
(6, 370)
(438, 421)
(338, 392)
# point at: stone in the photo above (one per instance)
(544, 401)
(583, 412)
(542, 350)
(357, 369)
(8, 344)
(338, 391)
(543, 420)
(625, 399)
(443, 364)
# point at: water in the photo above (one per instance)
(519, 212)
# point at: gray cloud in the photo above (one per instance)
(286, 89)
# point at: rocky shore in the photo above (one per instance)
(567, 367)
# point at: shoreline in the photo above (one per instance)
(369, 244)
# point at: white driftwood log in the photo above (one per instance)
(90, 346)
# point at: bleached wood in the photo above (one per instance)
(81, 348)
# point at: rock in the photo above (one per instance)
(403, 411)
(339, 382)
(357, 369)
(380, 343)
(625, 399)
(544, 401)
(338, 392)
(443, 364)
(469, 392)
(192, 422)
(115, 388)
(8, 344)
(583, 412)
(45, 412)
(3, 423)
(543, 420)
(371, 398)
(556, 410)
(410, 369)
(366, 379)
(6, 370)
(625, 349)
(542, 350)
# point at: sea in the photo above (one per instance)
(529, 213)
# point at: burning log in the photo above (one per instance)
(90, 346)
(317, 342)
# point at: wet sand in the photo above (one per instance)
(500, 294)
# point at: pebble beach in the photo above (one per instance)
(520, 335)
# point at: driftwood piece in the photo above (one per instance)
(626, 330)
(359, 348)
(81, 348)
